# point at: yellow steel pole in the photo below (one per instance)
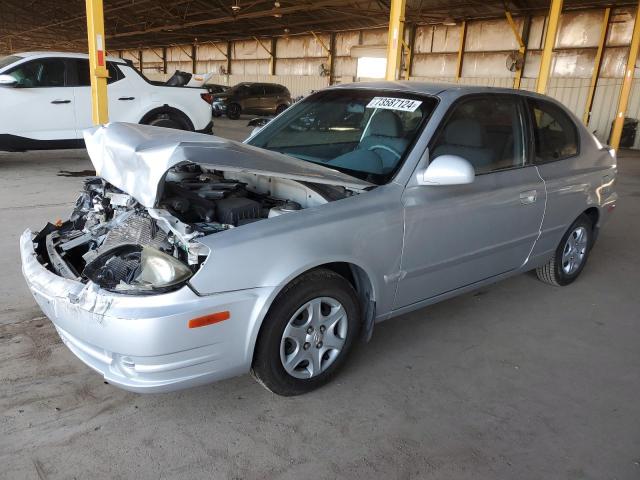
(97, 62)
(394, 43)
(616, 132)
(549, 42)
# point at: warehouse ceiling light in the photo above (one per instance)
(449, 21)
(236, 5)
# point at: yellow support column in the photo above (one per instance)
(97, 62)
(596, 66)
(394, 43)
(549, 42)
(616, 132)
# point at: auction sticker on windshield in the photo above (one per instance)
(390, 103)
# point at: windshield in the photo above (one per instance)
(363, 133)
(8, 60)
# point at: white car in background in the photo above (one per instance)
(46, 100)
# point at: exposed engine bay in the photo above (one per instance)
(122, 246)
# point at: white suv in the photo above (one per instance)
(46, 100)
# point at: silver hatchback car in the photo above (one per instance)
(191, 258)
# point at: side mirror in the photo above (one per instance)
(8, 81)
(447, 170)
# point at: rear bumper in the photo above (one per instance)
(143, 343)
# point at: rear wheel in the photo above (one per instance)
(233, 111)
(570, 256)
(166, 121)
(307, 333)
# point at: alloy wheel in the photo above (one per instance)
(575, 250)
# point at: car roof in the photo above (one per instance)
(41, 54)
(434, 89)
(259, 83)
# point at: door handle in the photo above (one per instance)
(58, 102)
(127, 98)
(528, 197)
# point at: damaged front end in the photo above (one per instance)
(135, 226)
(114, 242)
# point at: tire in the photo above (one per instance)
(281, 108)
(166, 121)
(571, 255)
(291, 336)
(233, 111)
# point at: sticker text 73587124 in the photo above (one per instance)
(390, 103)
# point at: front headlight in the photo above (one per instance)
(136, 269)
(159, 270)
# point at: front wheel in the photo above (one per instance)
(570, 256)
(307, 333)
(281, 108)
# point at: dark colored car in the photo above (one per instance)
(252, 98)
(215, 88)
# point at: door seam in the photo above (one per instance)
(544, 213)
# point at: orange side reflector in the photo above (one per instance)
(209, 319)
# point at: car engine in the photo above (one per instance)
(110, 237)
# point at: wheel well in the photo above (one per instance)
(594, 215)
(361, 283)
(173, 113)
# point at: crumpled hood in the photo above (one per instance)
(135, 159)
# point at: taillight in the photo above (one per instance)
(207, 97)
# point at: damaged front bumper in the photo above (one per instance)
(143, 343)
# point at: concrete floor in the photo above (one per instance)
(517, 381)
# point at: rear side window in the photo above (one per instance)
(275, 90)
(486, 131)
(256, 90)
(82, 69)
(555, 134)
(271, 90)
(44, 72)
